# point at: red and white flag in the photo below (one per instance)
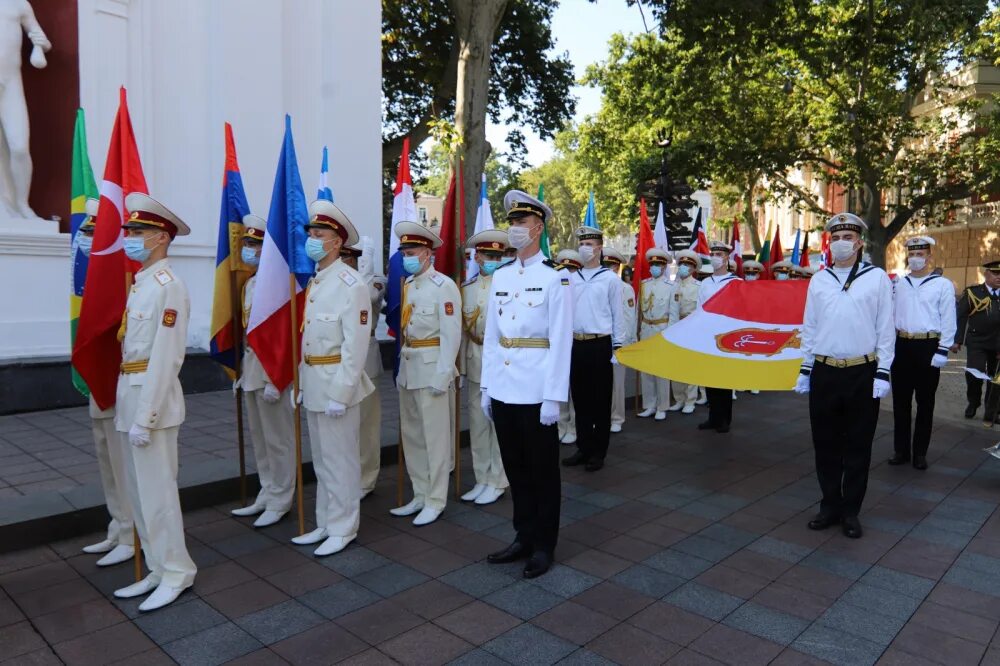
(97, 352)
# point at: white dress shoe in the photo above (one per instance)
(476, 491)
(99, 547)
(676, 407)
(309, 538)
(415, 506)
(660, 416)
(702, 397)
(754, 392)
(251, 510)
(162, 596)
(688, 408)
(568, 439)
(117, 555)
(426, 516)
(646, 413)
(144, 586)
(489, 495)
(734, 395)
(616, 427)
(269, 518)
(332, 545)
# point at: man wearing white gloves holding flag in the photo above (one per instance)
(848, 344)
(525, 377)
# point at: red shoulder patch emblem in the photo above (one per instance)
(449, 308)
(169, 318)
(364, 317)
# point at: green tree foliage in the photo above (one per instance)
(500, 177)
(748, 91)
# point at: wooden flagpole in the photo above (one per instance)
(399, 440)
(459, 263)
(638, 332)
(298, 406)
(136, 543)
(236, 306)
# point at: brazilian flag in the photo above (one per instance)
(82, 187)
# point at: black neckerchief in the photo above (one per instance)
(853, 274)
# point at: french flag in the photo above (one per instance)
(404, 209)
(484, 221)
(284, 268)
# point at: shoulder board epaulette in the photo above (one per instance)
(408, 280)
(163, 276)
(560, 267)
(470, 281)
(347, 278)
(549, 263)
(437, 279)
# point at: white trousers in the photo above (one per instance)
(151, 474)
(486, 463)
(371, 440)
(684, 393)
(655, 393)
(337, 462)
(567, 420)
(427, 443)
(272, 430)
(111, 463)
(618, 394)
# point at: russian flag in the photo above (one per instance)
(484, 221)
(324, 191)
(404, 209)
(284, 268)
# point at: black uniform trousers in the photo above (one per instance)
(591, 381)
(720, 406)
(843, 415)
(530, 454)
(913, 376)
(985, 359)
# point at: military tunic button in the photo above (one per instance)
(516, 294)
(506, 362)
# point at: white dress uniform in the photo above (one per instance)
(848, 341)
(655, 297)
(630, 313)
(111, 465)
(568, 260)
(371, 406)
(431, 323)
(683, 302)
(149, 396)
(335, 338)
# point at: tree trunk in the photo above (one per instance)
(476, 24)
(749, 218)
(878, 234)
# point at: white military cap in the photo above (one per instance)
(589, 233)
(325, 214)
(612, 254)
(254, 227)
(518, 204)
(782, 266)
(145, 212)
(752, 265)
(655, 255)
(91, 207)
(689, 256)
(570, 258)
(717, 245)
(846, 222)
(412, 234)
(919, 243)
(490, 240)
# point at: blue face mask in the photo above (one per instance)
(314, 249)
(656, 271)
(490, 266)
(411, 265)
(84, 243)
(781, 276)
(683, 271)
(750, 277)
(249, 256)
(136, 250)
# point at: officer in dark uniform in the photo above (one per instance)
(978, 330)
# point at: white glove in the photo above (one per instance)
(271, 394)
(881, 388)
(802, 385)
(138, 436)
(614, 359)
(335, 409)
(549, 412)
(295, 398)
(237, 385)
(436, 392)
(461, 382)
(487, 404)
(939, 361)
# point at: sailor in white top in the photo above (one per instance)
(598, 330)
(615, 260)
(924, 305)
(848, 342)
(720, 401)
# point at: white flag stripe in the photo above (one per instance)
(271, 292)
(697, 333)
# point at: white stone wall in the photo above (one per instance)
(190, 66)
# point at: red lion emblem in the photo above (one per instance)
(757, 341)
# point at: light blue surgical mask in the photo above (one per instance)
(314, 249)
(683, 271)
(490, 266)
(84, 243)
(656, 271)
(136, 250)
(750, 277)
(781, 276)
(411, 265)
(249, 256)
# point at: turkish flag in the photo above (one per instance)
(97, 353)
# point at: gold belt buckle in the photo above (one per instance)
(506, 343)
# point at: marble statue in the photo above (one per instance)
(15, 159)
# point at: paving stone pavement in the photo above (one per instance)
(687, 548)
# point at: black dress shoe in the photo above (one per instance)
(970, 411)
(852, 527)
(823, 521)
(576, 459)
(594, 465)
(537, 564)
(723, 428)
(899, 459)
(707, 425)
(512, 553)
(919, 462)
